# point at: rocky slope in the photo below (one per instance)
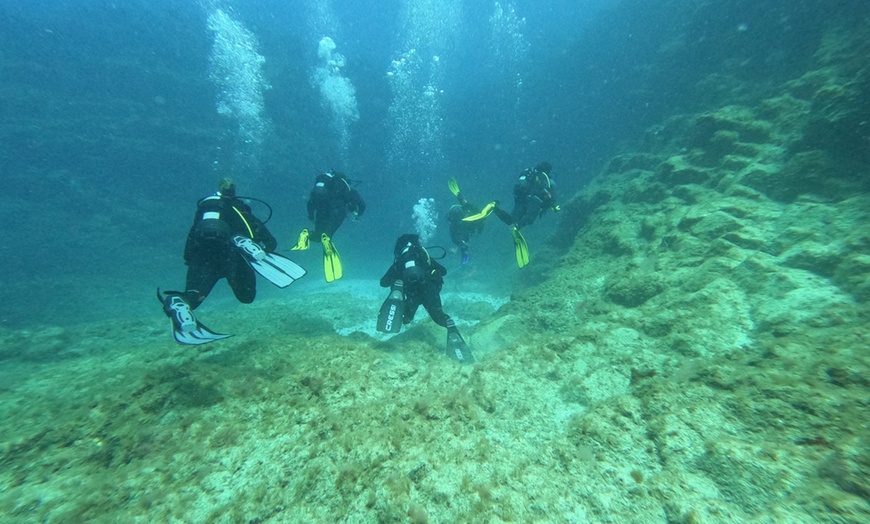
(708, 315)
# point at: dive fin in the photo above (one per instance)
(331, 259)
(186, 329)
(393, 310)
(485, 212)
(275, 268)
(303, 243)
(521, 248)
(457, 349)
(453, 185)
(278, 269)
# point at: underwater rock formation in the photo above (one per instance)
(709, 278)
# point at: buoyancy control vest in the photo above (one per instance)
(217, 219)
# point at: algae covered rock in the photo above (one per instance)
(710, 226)
(739, 121)
(731, 131)
(838, 121)
(633, 288)
(853, 276)
(812, 256)
(810, 172)
(628, 162)
(677, 170)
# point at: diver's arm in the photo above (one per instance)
(262, 234)
(390, 276)
(357, 204)
(311, 207)
(438, 269)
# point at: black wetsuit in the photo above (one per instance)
(533, 194)
(331, 199)
(460, 232)
(211, 255)
(422, 278)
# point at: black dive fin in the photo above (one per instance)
(393, 310)
(457, 349)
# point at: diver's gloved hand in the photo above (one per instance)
(356, 217)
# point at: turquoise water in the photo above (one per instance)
(687, 344)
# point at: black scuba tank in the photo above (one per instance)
(212, 223)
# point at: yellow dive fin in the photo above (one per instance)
(331, 260)
(302, 244)
(454, 186)
(520, 247)
(485, 212)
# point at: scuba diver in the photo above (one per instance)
(460, 231)
(533, 196)
(331, 199)
(225, 241)
(416, 279)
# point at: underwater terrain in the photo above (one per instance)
(688, 345)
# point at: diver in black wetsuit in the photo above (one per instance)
(211, 254)
(461, 230)
(533, 195)
(331, 199)
(420, 279)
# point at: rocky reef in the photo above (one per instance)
(708, 318)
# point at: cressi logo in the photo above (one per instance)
(390, 317)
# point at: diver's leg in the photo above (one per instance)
(519, 211)
(321, 219)
(504, 216)
(242, 280)
(201, 278)
(317, 232)
(432, 303)
(532, 209)
(332, 222)
(412, 303)
(338, 223)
